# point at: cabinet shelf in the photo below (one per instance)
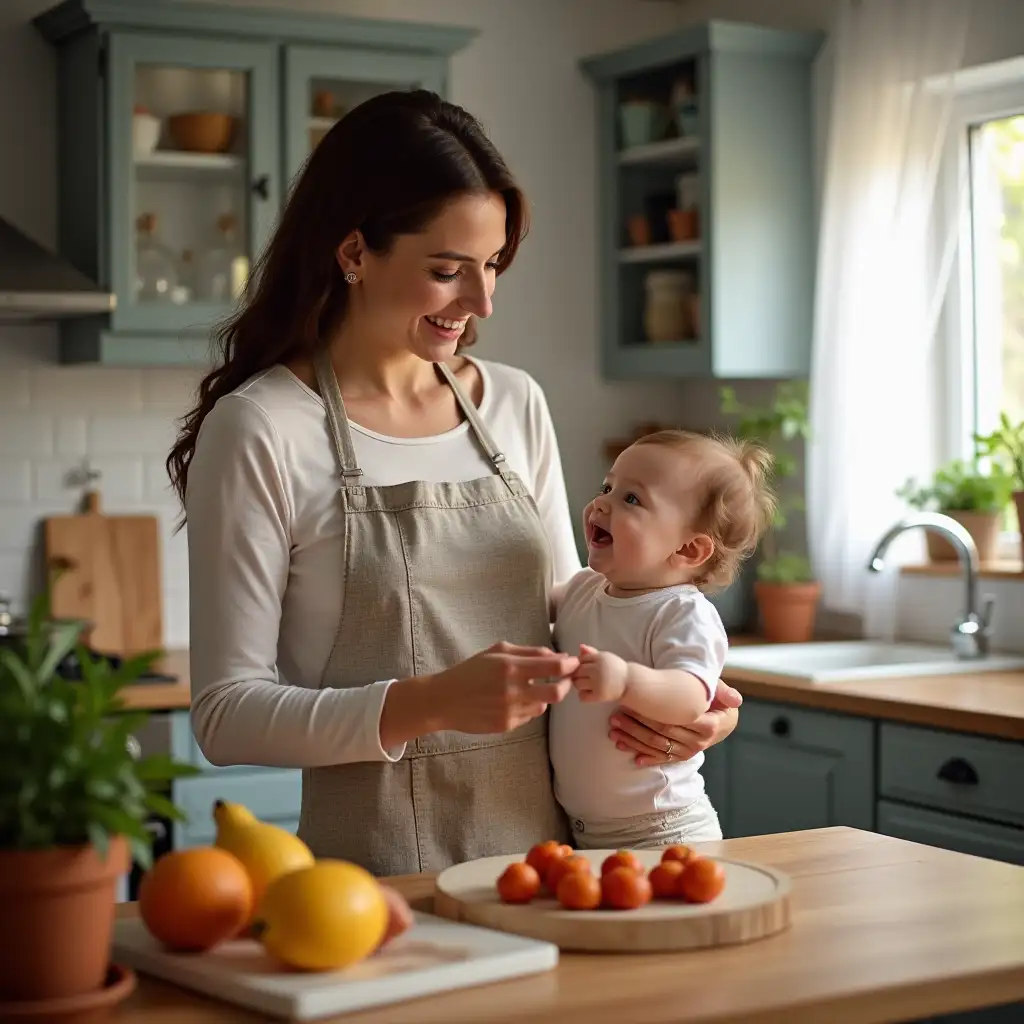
(185, 166)
(660, 251)
(682, 151)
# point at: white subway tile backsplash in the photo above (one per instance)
(86, 389)
(130, 435)
(55, 418)
(28, 434)
(15, 480)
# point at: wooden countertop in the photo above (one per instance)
(882, 930)
(162, 696)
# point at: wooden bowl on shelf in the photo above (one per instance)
(201, 131)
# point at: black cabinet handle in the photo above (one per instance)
(959, 771)
(261, 186)
(781, 726)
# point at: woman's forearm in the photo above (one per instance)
(411, 709)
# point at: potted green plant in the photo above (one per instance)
(73, 803)
(975, 496)
(785, 589)
(1005, 446)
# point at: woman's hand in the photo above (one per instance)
(400, 918)
(501, 688)
(650, 740)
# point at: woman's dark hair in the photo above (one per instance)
(387, 168)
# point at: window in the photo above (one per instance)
(985, 312)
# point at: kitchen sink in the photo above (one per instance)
(861, 659)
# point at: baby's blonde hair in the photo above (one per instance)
(735, 500)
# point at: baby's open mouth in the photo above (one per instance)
(599, 536)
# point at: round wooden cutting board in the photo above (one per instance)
(753, 905)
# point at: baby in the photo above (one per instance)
(675, 516)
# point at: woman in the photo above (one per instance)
(375, 520)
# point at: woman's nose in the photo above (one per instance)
(476, 296)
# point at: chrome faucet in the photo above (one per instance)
(970, 636)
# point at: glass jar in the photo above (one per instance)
(156, 274)
(223, 269)
(665, 310)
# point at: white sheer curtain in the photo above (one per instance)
(883, 263)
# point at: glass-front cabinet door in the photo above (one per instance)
(322, 84)
(194, 176)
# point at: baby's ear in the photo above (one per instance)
(696, 551)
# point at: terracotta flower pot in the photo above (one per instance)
(788, 610)
(983, 528)
(58, 913)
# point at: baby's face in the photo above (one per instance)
(639, 527)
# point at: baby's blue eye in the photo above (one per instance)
(604, 489)
(632, 499)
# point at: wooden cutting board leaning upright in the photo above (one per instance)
(112, 576)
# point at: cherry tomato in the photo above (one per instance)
(664, 879)
(679, 853)
(621, 859)
(560, 866)
(702, 880)
(542, 854)
(625, 889)
(579, 890)
(519, 883)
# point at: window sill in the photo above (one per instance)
(1008, 569)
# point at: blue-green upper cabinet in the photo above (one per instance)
(706, 203)
(321, 83)
(180, 127)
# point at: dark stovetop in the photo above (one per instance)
(70, 668)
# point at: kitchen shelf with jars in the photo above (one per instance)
(181, 126)
(706, 203)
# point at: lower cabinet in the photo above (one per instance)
(787, 768)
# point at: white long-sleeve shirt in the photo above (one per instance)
(265, 558)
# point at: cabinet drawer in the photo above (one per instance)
(948, 832)
(273, 796)
(804, 726)
(952, 771)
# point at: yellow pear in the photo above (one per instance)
(324, 917)
(266, 851)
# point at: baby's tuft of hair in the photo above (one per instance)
(736, 504)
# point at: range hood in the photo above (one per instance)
(36, 284)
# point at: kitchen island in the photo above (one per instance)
(882, 930)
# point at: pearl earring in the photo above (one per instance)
(351, 277)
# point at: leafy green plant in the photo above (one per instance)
(67, 776)
(1005, 444)
(961, 486)
(782, 426)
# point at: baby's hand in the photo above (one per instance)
(601, 675)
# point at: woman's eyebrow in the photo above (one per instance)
(457, 257)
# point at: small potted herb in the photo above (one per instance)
(786, 590)
(975, 497)
(73, 806)
(1005, 446)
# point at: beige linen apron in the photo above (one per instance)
(433, 573)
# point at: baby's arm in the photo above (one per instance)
(688, 649)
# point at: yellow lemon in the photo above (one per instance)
(266, 851)
(323, 917)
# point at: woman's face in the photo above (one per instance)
(421, 294)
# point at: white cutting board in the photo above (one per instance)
(434, 956)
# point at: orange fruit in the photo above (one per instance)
(625, 889)
(621, 859)
(664, 879)
(541, 855)
(561, 866)
(679, 853)
(518, 883)
(579, 890)
(702, 880)
(192, 900)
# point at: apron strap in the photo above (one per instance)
(483, 435)
(337, 418)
